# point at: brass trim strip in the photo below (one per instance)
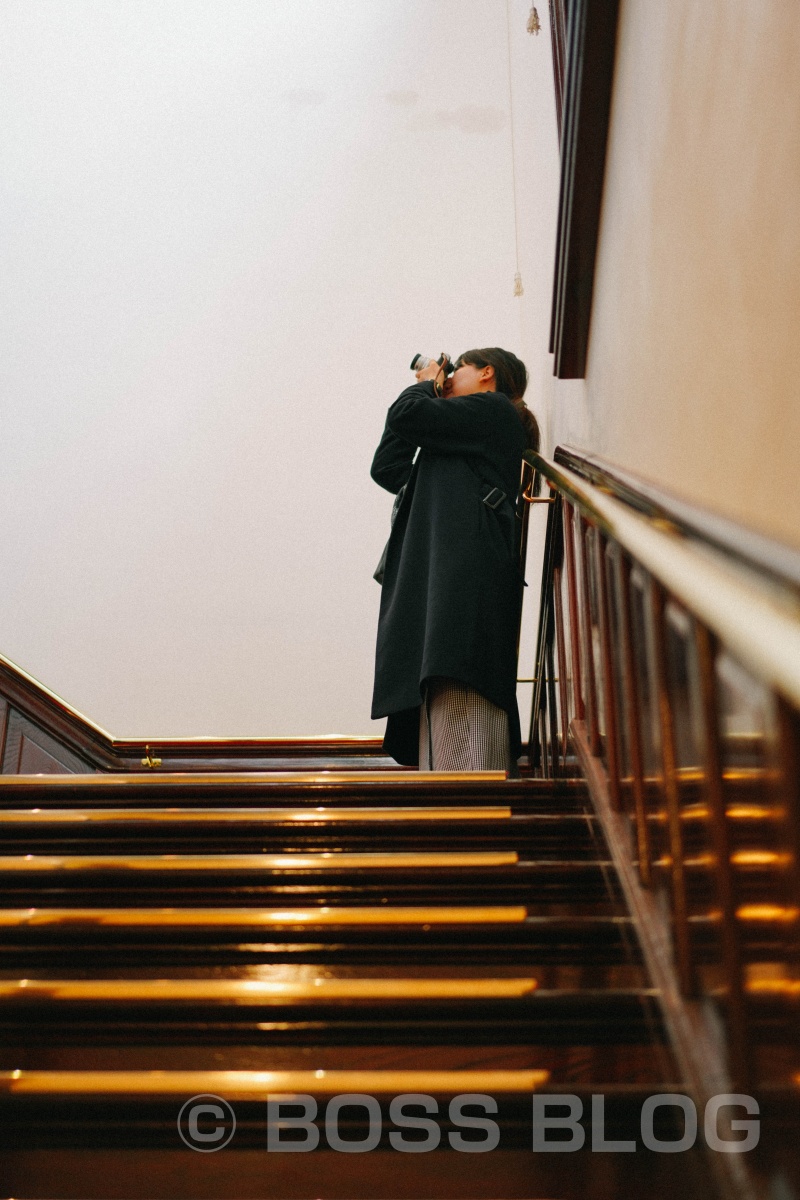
(256, 1085)
(261, 991)
(266, 816)
(197, 780)
(325, 861)
(313, 740)
(259, 917)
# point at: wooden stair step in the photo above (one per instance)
(510, 1011)
(379, 934)
(241, 831)
(295, 789)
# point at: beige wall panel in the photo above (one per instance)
(693, 377)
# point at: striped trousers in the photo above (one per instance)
(460, 730)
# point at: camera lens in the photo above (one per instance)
(419, 362)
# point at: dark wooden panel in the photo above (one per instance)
(33, 760)
(3, 728)
(65, 733)
(558, 36)
(29, 750)
(591, 41)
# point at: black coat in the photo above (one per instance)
(452, 588)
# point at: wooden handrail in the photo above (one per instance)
(761, 628)
(739, 542)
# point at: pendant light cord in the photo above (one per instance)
(517, 278)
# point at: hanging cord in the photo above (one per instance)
(518, 289)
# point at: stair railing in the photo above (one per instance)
(676, 655)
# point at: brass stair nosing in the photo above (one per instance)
(265, 816)
(256, 991)
(268, 781)
(256, 917)
(325, 861)
(256, 1085)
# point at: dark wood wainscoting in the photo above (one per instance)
(41, 735)
(591, 32)
(28, 750)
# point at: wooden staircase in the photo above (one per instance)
(383, 934)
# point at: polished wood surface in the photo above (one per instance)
(114, 1001)
(589, 67)
(558, 39)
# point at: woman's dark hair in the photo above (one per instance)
(510, 378)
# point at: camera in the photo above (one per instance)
(419, 362)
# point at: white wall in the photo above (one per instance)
(227, 228)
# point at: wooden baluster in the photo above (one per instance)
(552, 550)
(561, 660)
(551, 703)
(740, 1066)
(588, 650)
(552, 635)
(789, 749)
(610, 697)
(545, 763)
(572, 591)
(643, 839)
(680, 907)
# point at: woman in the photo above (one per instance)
(446, 664)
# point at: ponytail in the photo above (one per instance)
(529, 423)
(510, 378)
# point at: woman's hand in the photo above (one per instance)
(433, 371)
